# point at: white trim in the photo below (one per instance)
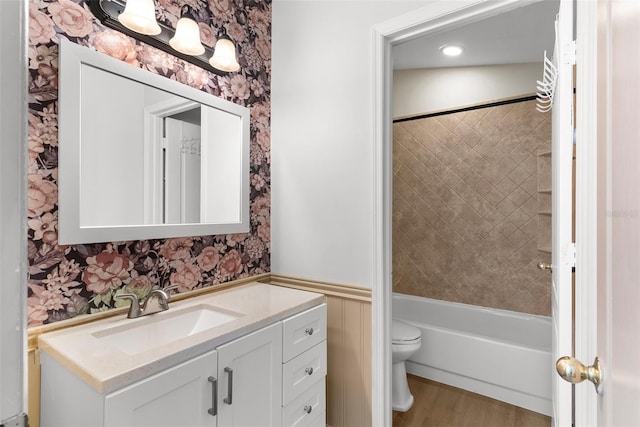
(13, 212)
(381, 291)
(586, 314)
(433, 17)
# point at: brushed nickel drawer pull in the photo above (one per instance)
(229, 399)
(213, 411)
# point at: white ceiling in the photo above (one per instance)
(517, 36)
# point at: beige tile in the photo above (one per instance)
(494, 196)
(530, 185)
(530, 206)
(452, 237)
(519, 175)
(504, 228)
(510, 143)
(401, 134)
(520, 217)
(506, 165)
(485, 145)
(530, 228)
(506, 207)
(521, 151)
(519, 196)
(530, 164)
(544, 173)
(518, 239)
(506, 186)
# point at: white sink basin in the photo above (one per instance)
(157, 330)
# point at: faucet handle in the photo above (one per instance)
(134, 307)
(166, 289)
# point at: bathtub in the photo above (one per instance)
(497, 353)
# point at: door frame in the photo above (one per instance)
(435, 17)
(586, 218)
(13, 211)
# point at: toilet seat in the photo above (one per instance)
(403, 333)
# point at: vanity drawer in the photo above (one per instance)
(303, 331)
(308, 409)
(302, 372)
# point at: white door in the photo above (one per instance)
(250, 379)
(562, 246)
(618, 308)
(182, 172)
(178, 397)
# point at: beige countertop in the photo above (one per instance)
(106, 368)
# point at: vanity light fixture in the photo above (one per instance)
(118, 15)
(140, 16)
(451, 50)
(224, 54)
(187, 36)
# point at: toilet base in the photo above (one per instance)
(401, 397)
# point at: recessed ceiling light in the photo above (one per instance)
(451, 50)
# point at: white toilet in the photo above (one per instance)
(405, 340)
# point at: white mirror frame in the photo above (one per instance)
(70, 231)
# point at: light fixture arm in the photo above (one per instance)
(107, 12)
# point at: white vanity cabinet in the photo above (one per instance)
(304, 368)
(270, 377)
(250, 379)
(178, 397)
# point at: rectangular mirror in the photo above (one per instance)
(143, 156)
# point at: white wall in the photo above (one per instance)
(322, 144)
(423, 91)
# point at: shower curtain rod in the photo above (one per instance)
(460, 110)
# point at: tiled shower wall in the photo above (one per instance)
(465, 207)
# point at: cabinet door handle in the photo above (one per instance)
(213, 411)
(308, 331)
(308, 409)
(308, 371)
(229, 399)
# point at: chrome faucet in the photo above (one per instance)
(157, 300)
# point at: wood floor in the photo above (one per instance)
(440, 405)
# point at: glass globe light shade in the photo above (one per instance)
(140, 16)
(224, 55)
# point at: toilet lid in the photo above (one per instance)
(401, 331)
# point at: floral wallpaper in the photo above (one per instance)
(66, 281)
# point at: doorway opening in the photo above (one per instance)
(428, 21)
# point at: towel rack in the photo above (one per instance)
(547, 86)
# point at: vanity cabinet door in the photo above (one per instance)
(178, 397)
(250, 379)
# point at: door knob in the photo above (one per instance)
(572, 370)
(545, 266)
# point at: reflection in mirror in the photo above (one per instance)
(143, 156)
(181, 189)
